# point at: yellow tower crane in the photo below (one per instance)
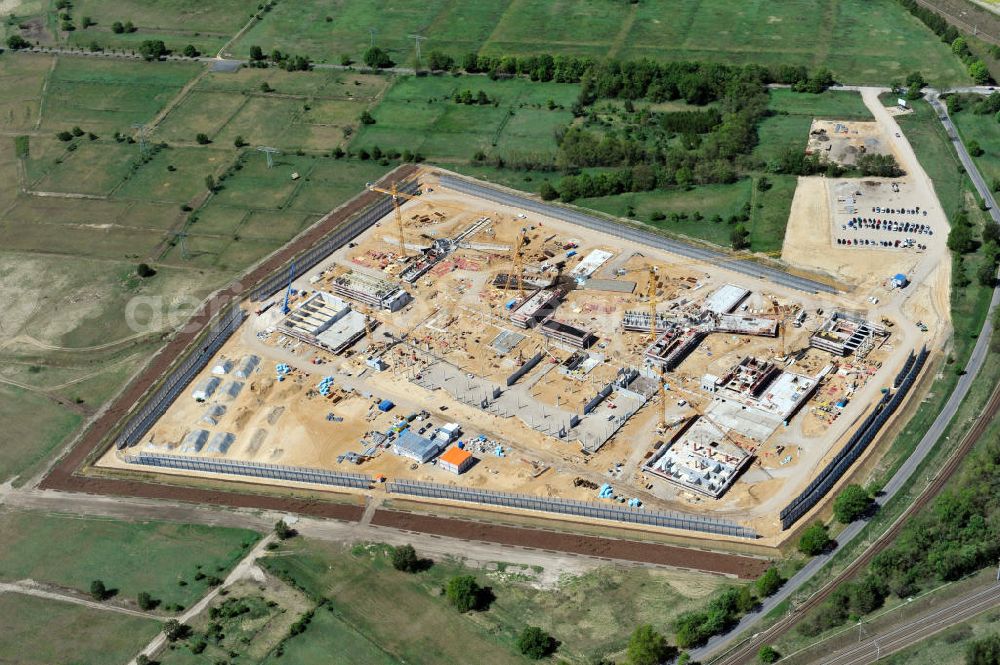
(651, 294)
(517, 269)
(394, 192)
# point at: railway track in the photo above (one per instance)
(747, 651)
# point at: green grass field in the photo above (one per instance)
(709, 200)
(42, 632)
(591, 614)
(30, 440)
(129, 557)
(207, 26)
(418, 114)
(985, 130)
(861, 42)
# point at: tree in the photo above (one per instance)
(152, 49)
(144, 270)
(97, 590)
(767, 655)
(852, 503)
(117, 27)
(129, 27)
(647, 647)
(985, 651)
(175, 630)
(438, 61)
(210, 183)
(463, 592)
(404, 558)
(64, 136)
(17, 42)
(979, 72)
(975, 149)
(202, 139)
(535, 643)
(283, 531)
(142, 659)
(256, 53)
(239, 142)
(814, 540)
(266, 87)
(740, 237)
(547, 191)
(366, 118)
(769, 582)
(77, 131)
(145, 601)
(960, 239)
(377, 58)
(986, 274)
(190, 51)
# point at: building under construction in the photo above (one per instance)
(536, 307)
(373, 291)
(567, 334)
(325, 321)
(699, 458)
(843, 334)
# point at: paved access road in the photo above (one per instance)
(631, 234)
(891, 640)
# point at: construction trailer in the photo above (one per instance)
(456, 460)
(415, 447)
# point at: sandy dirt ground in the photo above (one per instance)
(456, 314)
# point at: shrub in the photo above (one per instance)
(98, 591)
(144, 270)
(404, 558)
(17, 42)
(767, 655)
(463, 592)
(145, 601)
(647, 647)
(366, 118)
(377, 58)
(535, 643)
(814, 540)
(852, 503)
(117, 27)
(202, 139)
(768, 583)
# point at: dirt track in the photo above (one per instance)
(607, 548)
(63, 476)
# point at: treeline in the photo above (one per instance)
(957, 535)
(950, 35)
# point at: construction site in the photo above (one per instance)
(465, 342)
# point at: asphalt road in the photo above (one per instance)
(720, 643)
(891, 640)
(635, 235)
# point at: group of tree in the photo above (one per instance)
(287, 61)
(882, 166)
(74, 133)
(957, 534)
(466, 97)
(376, 58)
(152, 49)
(119, 28)
(724, 609)
(975, 67)
(17, 42)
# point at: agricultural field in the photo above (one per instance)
(172, 562)
(30, 440)
(859, 41)
(420, 115)
(369, 602)
(41, 632)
